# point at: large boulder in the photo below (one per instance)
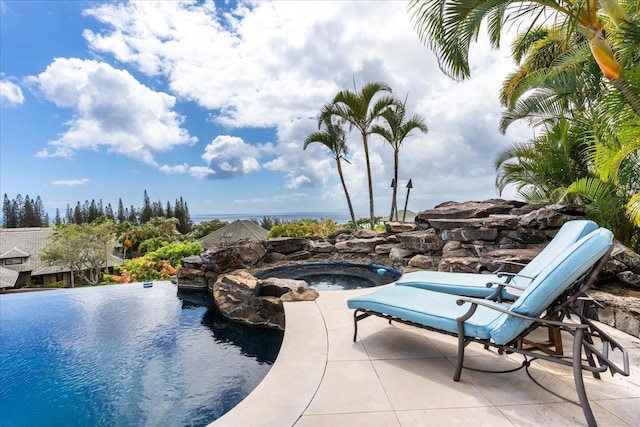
(551, 216)
(286, 289)
(454, 210)
(235, 295)
(421, 241)
(399, 227)
(285, 245)
(241, 255)
(241, 296)
(191, 279)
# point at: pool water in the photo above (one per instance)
(335, 276)
(124, 355)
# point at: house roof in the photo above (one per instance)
(28, 243)
(237, 230)
(14, 253)
(8, 277)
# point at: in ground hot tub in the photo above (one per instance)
(334, 276)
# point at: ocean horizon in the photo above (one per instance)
(339, 218)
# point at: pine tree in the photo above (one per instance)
(58, 219)
(19, 210)
(92, 211)
(9, 213)
(28, 218)
(133, 216)
(108, 212)
(169, 211)
(69, 215)
(147, 211)
(41, 213)
(77, 214)
(122, 217)
(158, 211)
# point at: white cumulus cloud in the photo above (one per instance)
(10, 93)
(227, 157)
(175, 169)
(274, 64)
(110, 109)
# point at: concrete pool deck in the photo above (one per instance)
(397, 375)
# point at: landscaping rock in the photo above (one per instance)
(469, 234)
(233, 257)
(423, 262)
(399, 227)
(366, 246)
(459, 237)
(320, 246)
(421, 241)
(191, 279)
(285, 245)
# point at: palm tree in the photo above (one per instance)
(449, 26)
(544, 167)
(332, 136)
(360, 110)
(397, 127)
(588, 150)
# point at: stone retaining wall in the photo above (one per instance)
(461, 237)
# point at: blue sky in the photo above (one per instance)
(212, 102)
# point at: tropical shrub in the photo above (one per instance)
(160, 264)
(306, 227)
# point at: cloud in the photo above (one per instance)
(10, 93)
(227, 157)
(274, 64)
(175, 169)
(110, 109)
(70, 182)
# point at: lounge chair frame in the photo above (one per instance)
(584, 332)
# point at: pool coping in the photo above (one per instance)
(293, 380)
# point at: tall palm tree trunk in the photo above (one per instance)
(346, 193)
(394, 201)
(365, 143)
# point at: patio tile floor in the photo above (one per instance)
(397, 375)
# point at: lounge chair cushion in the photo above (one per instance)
(434, 309)
(474, 285)
(439, 310)
(553, 281)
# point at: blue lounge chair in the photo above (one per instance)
(485, 285)
(551, 295)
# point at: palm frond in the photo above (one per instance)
(633, 209)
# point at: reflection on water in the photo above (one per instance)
(124, 355)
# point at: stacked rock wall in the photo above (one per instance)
(459, 237)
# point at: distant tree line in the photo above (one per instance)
(26, 212)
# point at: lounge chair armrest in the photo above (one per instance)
(505, 285)
(510, 276)
(501, 308)
(496, 295)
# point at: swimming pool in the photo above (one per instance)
(334, 276)
(124, 355)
